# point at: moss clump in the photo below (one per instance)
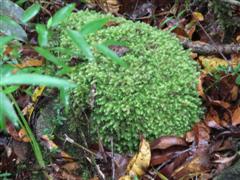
(156, 95)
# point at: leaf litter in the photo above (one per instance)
(204, 152)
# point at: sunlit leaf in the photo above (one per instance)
(11, 9)
(42, 34)
(94, 26)
(110, 54)
(30, 12)
(11, 28)
(60, 15)
(7, 110)
(79, 40)
(35, 79)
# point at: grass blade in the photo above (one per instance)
(110, 54)
(11, 28)
(60, 15)
(42, 35)
(7, 110)
(49, 56)
(79, 40)
(35, 79)
(30, 12)
(93, 26)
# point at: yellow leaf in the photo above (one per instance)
(198, 16)
(125, 178)
(211, 63)
(23, 135)
(140, 162)
(37, 93)
(112, 6)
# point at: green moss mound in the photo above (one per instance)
(156, 95)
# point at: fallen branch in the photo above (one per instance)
(205, 48)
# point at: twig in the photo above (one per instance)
(205, 48)
(71, 141)
(209, 37)
(91, 158)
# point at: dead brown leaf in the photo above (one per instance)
(236, 117)
(165, 142)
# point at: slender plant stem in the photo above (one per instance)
(24, 124)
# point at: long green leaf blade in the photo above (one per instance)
(7, 110)
(60, 15)
(93, 26)
(111, 54)
(30, 12)
(42, 35)
(11, 9)
(49, 56)
(82, 44)
(35, 79)
(11, 28)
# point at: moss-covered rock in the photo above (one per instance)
(155, 95)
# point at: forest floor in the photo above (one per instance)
(205, 152)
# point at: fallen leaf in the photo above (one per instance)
(211, 63)
(236, 117)
(200, 86)
(201, 134)
(198, 16)
(234, 93)
(30, 63)
(199, 164)
(12, 131)
(141, 161)
(223, 104)
(71, 167)
(165, 142)
(23, 135)
(125, 178)
(212, 119)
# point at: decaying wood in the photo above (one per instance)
(205, 48)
